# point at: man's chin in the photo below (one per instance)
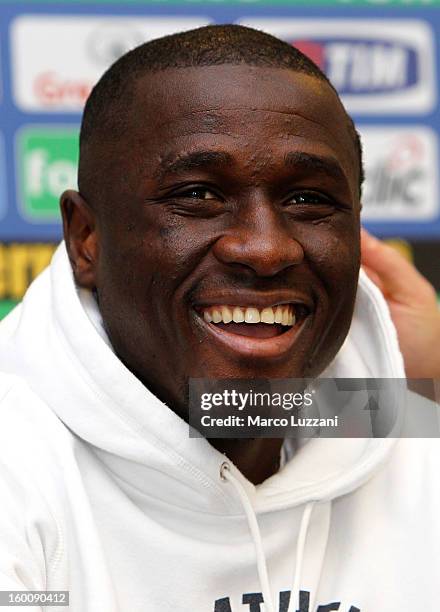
(249, 368)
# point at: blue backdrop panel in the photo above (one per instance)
(384, 63)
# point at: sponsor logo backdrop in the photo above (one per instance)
(382, 56)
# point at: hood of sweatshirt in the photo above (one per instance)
(54, 339)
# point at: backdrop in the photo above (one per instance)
(382, 56)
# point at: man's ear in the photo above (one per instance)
(80, 235)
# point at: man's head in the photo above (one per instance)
(219, 176)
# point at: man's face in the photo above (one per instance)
(233, 194)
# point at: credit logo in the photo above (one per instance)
(377, 66)
(57, 60)
(47, 161)
(401, 166)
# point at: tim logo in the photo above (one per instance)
(378, 66)
(360, 66)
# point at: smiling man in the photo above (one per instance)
(215, 234)
(232, 218)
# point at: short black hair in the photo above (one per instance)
(106, 110)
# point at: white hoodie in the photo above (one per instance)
(103, 493)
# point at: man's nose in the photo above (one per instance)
(261, 240)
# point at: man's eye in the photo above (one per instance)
(195, 201)
(197, 193)
(310, 206)
(307, 197)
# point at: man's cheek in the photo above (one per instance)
(182, 243)
(332, 256)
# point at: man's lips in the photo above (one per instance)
(254, 347)
(267, 329)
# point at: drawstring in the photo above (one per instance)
(300, 547)
(225, 474)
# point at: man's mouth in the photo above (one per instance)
(251, 321)
(267, 332)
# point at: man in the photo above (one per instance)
(215, 234)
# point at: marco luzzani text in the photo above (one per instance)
(291, 403)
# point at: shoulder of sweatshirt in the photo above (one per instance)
(35, 450)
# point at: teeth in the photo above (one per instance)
(216, 315)
(238, 315)
(226, 314)
(281, 314)
(252, 315)
(267, 315)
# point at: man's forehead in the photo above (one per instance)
(266, 110)
(292, 120)
(222, 99)
(212, 90)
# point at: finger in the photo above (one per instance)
(398, 276)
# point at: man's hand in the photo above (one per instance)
(413, 304)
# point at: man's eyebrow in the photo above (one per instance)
(309, 161)
(192, 161)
